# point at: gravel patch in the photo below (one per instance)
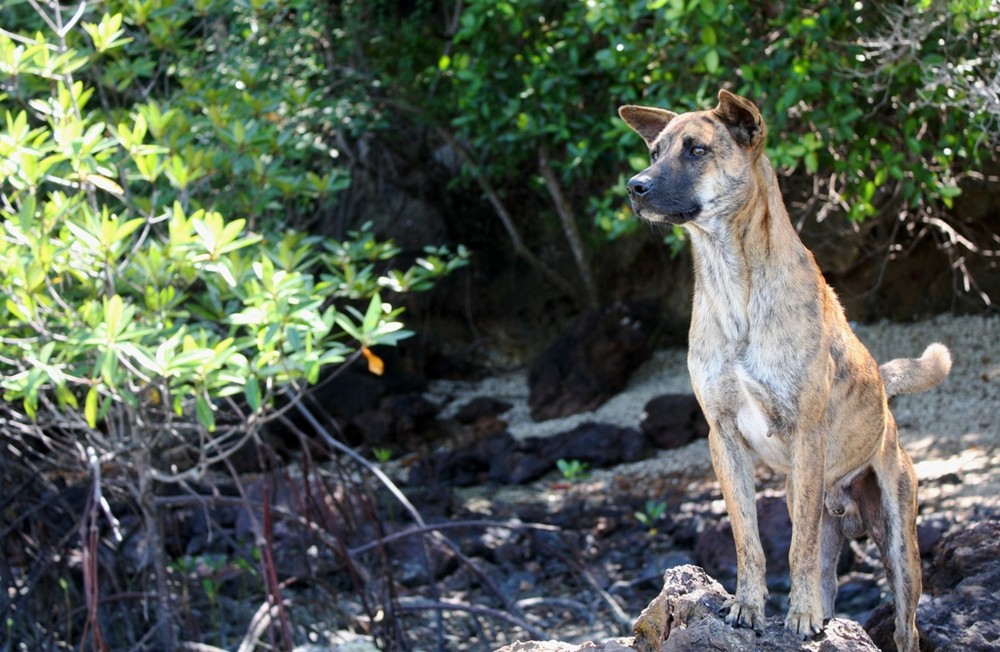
(952, 429)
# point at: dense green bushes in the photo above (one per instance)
(877, 101)
(157, 298)
(883, 107)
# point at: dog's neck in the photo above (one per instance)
(730, 260)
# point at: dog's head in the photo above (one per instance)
(700, 162)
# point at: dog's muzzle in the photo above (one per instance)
(650, 205)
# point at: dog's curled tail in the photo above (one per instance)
(912, 375)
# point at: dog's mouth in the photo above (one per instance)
(670, 217)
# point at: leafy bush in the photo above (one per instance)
(153, 311)
(882, 106)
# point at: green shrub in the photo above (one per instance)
(883, 106)
(152, 311)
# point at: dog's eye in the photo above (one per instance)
(698, 151)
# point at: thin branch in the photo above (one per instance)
(567, 217)
(447, 605)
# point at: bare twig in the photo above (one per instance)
(448, 605)
(567, 217)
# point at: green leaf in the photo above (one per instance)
(708, 36)
(252, 393)
(90, 407)
(206, 415)
(712, 61)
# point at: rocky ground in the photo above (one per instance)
(488, 541)
(952, 433)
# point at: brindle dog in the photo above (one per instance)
(778, 371)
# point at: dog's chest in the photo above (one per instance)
(732, 388)
(755, 425)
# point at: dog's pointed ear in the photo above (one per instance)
(742, 118)
(647, 121)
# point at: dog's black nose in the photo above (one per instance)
(639, 185)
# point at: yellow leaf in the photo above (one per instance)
(105, 184)
(375, 364)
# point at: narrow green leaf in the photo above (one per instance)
(206, 416)
(90, 407)
(252, 392)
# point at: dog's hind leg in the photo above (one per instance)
(831, 543)
(888, 503)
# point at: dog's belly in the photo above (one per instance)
(756, 428)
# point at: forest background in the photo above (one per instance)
(210, 206)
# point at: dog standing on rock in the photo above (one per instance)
(778, 371)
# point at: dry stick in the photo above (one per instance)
(395, 491)
(570, 228)
(390, 485)
(338, 542)
(572, 561)
(520, 249)
(435, 527)
(445, 605)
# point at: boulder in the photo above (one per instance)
(716, 549)
(591, 360)
(501, 458)
(673, 420)
(687, 615)
(614, 645)
(960, 612)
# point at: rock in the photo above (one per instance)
(930, 530)
(673, 420)
(963, 555)
(960, 614)
(687, 615)
(716, 549)
(597, 445)
(500, 458)
(394, 419)
(481, 407)
(591, 360)
(467, 466)
(614, 645)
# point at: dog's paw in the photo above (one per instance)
(742, 614)
(804, 624)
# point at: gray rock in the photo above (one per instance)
(958, 612)
(687, 615)
(591, 360)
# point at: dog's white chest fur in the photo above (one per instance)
(755, 427)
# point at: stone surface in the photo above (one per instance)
(958, 612)
(502, 459)
(686, 616)
(716, 550)
(613, 645)
(591, 359)
(673, 420)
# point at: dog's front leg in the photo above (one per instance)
(734, 467)
(804, 492)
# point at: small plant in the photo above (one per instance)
(654, 511)
(382, 455)
(572, 470)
